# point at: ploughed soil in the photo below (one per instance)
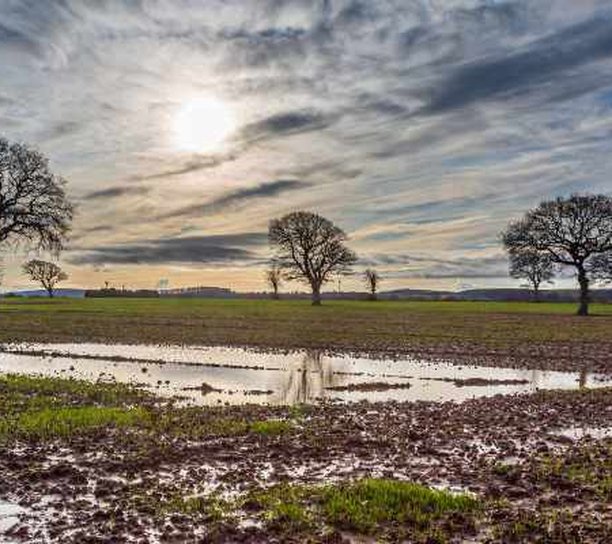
(137, 483)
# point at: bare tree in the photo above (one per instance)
(534, 266)
(575, 232)
(372, 280)
(33, 204)
(310, 248)
(274, 277)
(48, 274)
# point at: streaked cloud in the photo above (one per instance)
(420, 127)
(239, 197)
(193, 249)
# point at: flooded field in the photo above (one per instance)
(215, 375)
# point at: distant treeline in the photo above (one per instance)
(550, 295)
(126, 293)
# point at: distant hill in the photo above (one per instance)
(549, 295)
(70, 293)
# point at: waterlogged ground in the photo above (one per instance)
(136, 443)
(83, 462)
(214, 375)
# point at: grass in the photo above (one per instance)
(211, 507)
(369, 506)
(397, 325)
(272, 427)
(19, 394)
(365, 505)
(51, 423)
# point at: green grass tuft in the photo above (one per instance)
(50, 423)
(364, 505)
(272, 427)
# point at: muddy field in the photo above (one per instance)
(400, 423)
(505, 468)
(544, 336)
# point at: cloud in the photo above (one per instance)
(117, 192)
(193, 164)
(521, 72)
(285, 124)
(420, 127)
(240, 196)
(213, 249)
(428, 267)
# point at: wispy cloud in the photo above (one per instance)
(420, 127)
(116, 192)
(192, 250)
(238, 197)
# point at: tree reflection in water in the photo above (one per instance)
(308, 379)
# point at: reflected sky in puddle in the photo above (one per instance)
(242, 375)
(577, 433)
(9, 516)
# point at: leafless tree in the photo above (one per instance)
(372, 280)
(33, 205)
(575, 232)
(534, 266)
(310, 248)
(274, 277)
(48, 274)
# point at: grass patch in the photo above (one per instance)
(212, 508)
(392, 510)
(19, 393)
(52, 423)
(365, 505)
(271, 427)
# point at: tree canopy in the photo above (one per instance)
(310, 248)
(534, 266)
(34, 208)
(574, 232)
(48, 274)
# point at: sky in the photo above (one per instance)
(420, 127)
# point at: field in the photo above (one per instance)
(85, 461)
(525, 334)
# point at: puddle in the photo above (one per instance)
(239, 376)
(9, 515)
(577, 433)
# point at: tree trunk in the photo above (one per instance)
(536, 292)
(316, 295)
(583, 309)
(50, 291)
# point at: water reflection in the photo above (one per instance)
(307, 379)
(238, 376)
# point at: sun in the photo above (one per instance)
(202, 125)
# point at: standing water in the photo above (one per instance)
(212, 375)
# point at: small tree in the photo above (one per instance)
(533, 266)
(310, 248)
(372, 281)
(274, 277)
(48, 274)
(33, 205)
(574, 232)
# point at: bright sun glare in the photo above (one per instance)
(202, 125)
